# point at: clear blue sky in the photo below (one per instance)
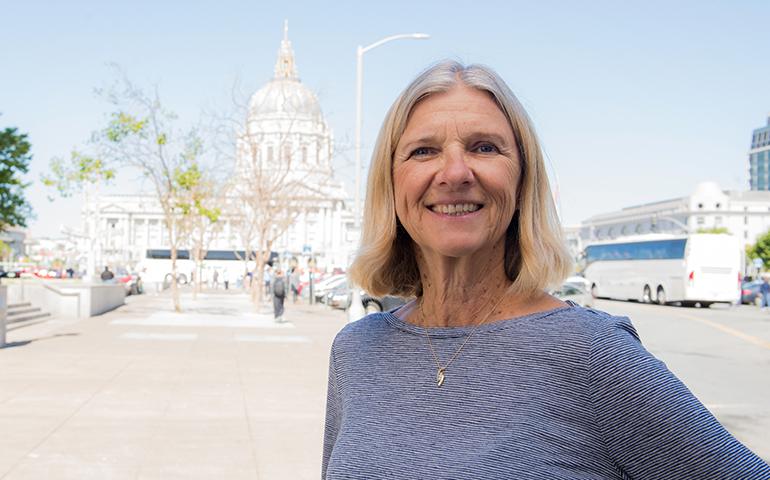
(634, 101)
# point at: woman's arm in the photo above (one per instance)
(653, 426)
(333, 416)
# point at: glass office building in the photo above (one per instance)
(759, 158)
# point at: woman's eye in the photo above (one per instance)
(421, 151)
(487, 148)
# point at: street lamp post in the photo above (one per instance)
(359, 97)
(356, 310)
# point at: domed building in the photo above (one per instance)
(284, 153)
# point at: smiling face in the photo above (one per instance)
(455, 174)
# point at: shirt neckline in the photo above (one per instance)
(442, 332)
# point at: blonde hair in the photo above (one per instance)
(535, 254)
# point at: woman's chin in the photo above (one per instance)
(460, 249)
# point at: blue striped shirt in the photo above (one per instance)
(568, 393)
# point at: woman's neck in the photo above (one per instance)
(459, 291)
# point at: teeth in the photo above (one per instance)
(456, 209)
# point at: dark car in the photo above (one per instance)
(750, 293)
(381, 304)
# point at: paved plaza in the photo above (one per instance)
(218, 392)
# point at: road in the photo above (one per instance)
(721, 353)
(221, 391)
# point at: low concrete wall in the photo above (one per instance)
(104, 298)
(70, 300)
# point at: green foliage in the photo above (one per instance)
(193, 192)
(761, 249)
(68, 177)
(715, 230)
(14, 161)
(122, 125)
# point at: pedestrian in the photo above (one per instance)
(107, 275)
(484, 374)
(279, 295)
(215, 279)
(226, 279)
(267, 278)
(294, 282)
(764, 290)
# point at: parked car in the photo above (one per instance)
(322, 288)
(381, 304)
(750, 293)
(574, 292)
(340, 297)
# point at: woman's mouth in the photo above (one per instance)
(455, 209)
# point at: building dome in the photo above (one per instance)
(285, 96)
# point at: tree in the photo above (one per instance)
(82, 173)
(14, 161)
(272, 189)
(141, 134)
(760, 249)
(198, 203)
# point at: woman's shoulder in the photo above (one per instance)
(588, 320)
(371, 326)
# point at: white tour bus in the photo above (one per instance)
(156, 266)
(696, 268)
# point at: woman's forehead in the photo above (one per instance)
(466, 109)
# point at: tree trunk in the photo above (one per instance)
(174, 286)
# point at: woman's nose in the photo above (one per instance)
(454, 168)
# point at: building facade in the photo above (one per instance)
(286, 141)
(745, 214)
(759, 158)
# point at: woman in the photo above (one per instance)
(484, 375)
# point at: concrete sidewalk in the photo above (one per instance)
(217, 392)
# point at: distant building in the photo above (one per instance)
(284, 124)
(745, 214)
(759, 158)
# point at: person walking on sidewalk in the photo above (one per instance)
(294, 282)
(764, 291)
(279, 295)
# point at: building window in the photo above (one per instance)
(717, 221)
(745, 220)
(700, 220)
(304, 153)
(745, 235)
(718, 205)
(700, 205)
(270, 154)
(287, 154)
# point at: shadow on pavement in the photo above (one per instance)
(22, 343)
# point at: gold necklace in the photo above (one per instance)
(441, 371)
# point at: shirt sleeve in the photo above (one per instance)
(333, 416)
(653, 426)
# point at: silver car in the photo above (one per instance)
(575, 292)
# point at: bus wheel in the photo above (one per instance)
(647, 295)
(661, 296)
(181, 279)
